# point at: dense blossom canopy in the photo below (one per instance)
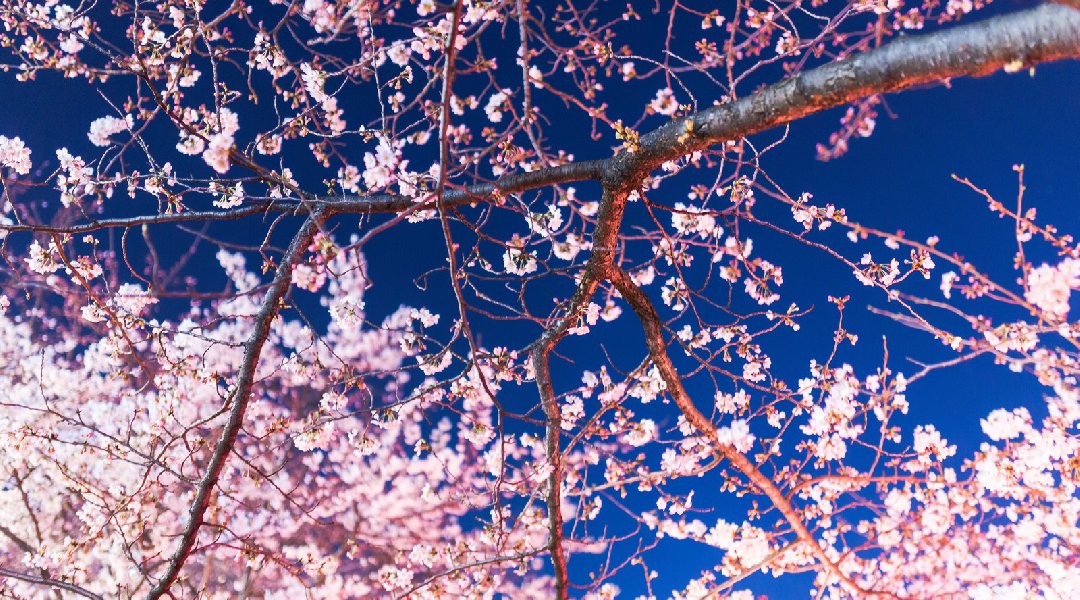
(585, 375)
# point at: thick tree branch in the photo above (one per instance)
(1046, 33)
(1049, 32)
(507, 184)
(612, 207)
(269, 309)
(552, 429)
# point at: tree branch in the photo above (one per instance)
(269, 309)
(362, 204)
(552, 430)
(609, 219)
(53, 583)
(654, 339)
(1042, 34)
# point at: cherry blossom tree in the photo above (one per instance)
(196, 401)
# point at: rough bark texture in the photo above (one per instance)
(1046, 33)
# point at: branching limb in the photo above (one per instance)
(542, 369)
(1046, 33)
(612, 207)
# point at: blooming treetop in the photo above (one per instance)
(197, 400)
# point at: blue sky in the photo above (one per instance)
(899, 178)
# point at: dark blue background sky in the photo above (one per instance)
(897, 179)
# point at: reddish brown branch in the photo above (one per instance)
(553, 428)
(1046, 33)
(654, 339)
